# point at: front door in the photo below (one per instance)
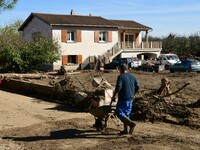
(129, 38)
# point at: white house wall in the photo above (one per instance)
(87, 47)
(36, 25)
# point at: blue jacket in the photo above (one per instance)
(126, 86)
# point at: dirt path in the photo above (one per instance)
(30, 124)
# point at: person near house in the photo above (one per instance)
(126, 87)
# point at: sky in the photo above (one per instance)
(180, 17)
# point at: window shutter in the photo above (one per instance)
(64, 59)
(78, 35)
(96, 36)
(79, 59)
(64, 35)
(109, 36)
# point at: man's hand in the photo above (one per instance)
(113, 99)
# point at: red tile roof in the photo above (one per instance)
(86, 21)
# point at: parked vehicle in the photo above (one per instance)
(186, 65)
(166, 59)
(154, 68)
(136, 62)
(116, 62)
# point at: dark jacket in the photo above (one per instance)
(126, 86)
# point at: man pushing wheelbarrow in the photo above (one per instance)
(126, 87)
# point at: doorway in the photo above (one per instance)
(129, 41)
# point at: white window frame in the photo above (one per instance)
(103, 36)
(69, 36)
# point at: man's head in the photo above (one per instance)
(123, 68)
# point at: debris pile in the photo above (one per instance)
(100, 96)
(149, 105)
(158, 105)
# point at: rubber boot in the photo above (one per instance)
(125, 131)
(130, 123)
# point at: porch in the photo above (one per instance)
(143, 45)
(127, 47)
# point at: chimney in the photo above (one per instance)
(72, 12)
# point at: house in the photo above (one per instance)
(84, 38)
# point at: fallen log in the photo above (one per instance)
(24, 76)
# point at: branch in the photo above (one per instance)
(176, 91)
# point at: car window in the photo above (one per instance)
(129, 60)
(172, 57)
(179, 62)
(122, 61)
(116, 61)
(185, 62)
(195, 62)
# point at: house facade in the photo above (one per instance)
(82, 39)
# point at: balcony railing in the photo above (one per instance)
(142, 45)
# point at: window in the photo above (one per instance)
(36, 35)
(70, 36)
(103, 36)
(71, 59)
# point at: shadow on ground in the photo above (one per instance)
(68, 134)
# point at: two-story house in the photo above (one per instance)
(82, 38)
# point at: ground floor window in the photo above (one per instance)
(71, 59)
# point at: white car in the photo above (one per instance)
(136, 62)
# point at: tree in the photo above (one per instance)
(39, 51)
(184, 46)
(10, 42)
(181, 45)
(17, 55)
(7, 4)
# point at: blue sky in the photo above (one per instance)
(180, 17)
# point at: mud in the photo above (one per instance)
(30, 123)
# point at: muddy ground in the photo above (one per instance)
(31, 123)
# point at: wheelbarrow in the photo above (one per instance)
(102, 114)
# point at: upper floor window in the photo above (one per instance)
(70, 36)
(103, 36)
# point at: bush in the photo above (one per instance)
(17, 55)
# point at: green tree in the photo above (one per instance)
(7, 4)
(39, 51)
(21, 56)
(181, 45)
(10, 42)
